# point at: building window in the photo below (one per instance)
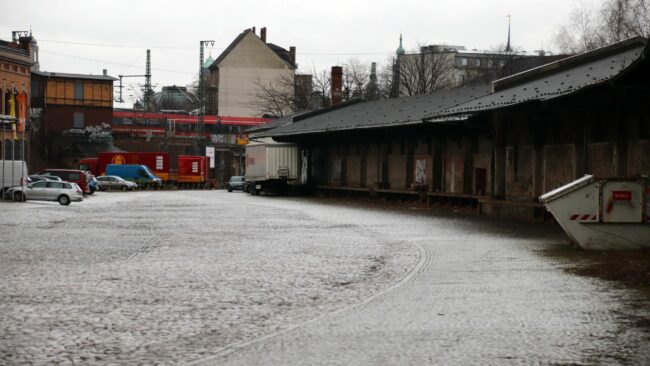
(78, 120)
(463, 61)
(478, 62)
(78, 90)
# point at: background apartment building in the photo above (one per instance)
(242, 70)
(438, 67)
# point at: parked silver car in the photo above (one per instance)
(38, 178)
(108, 182)
(63, 192)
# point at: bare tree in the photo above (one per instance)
(426, 72)
(385, 79)
(322, 82)
(622, 19)
(582, 33)
(355, 78)
(276, 97)
(616, 20)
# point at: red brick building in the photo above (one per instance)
(16, 60)
(74, 110)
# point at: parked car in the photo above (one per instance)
(109, 182)
(46, 190)
(71, 175)
(140, 174)
(38, 178)
(236, 183)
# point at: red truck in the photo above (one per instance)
(193, 169)
(158, 162)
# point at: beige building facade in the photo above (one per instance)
(239, 74)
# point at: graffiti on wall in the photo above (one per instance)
(420, 172)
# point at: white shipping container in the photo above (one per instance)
(267, 160)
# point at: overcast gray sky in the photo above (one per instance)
(88, 36)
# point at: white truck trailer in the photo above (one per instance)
(13, 173)
(271, 166)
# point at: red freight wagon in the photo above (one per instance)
(158, 162)
(193, 169)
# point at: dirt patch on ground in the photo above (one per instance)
(629, 268)
(398, 204)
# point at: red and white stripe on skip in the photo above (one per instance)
(585, 217)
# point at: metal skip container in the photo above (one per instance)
(603, 213)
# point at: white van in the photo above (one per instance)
(12, 173)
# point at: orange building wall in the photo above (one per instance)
(95, 93)
(14, 75)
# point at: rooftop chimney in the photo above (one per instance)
(337, 84)
(292, 55)
(104, 72)
(263, 34)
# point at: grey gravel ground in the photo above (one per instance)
(207, 277)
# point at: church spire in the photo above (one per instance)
(400, 50)
(508, 48)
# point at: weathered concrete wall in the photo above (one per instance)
(639, 158)
(335, 171)
(397, 171)
(519, 172)
(482, 167)
(600, 159)
(353, 177)
(454, 166)
(372, 170)
(559, 161)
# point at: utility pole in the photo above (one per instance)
(148, 92)
(200, 127)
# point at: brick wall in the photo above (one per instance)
(59, 118)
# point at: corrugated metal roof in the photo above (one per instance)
(74, 76)
(386, 113)
(542, 83)
(552, 80)
(256, 131)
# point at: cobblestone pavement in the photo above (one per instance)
(207, 277)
